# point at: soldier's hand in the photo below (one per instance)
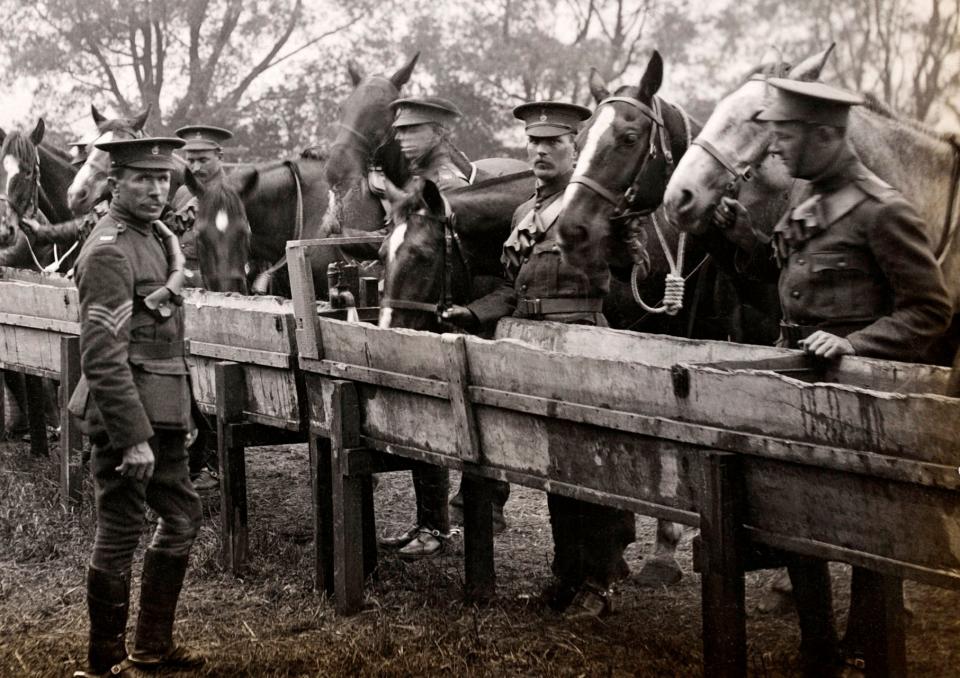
(29, 228)
(137, 462)
(461, 316)
(826, 345)
(732, 217)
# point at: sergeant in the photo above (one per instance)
(134, 402)
(588, 539)
(857, 276)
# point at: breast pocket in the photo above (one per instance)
(545, 260)
(847, 284)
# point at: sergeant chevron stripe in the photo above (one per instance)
(113, 320)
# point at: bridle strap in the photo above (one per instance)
(719, 156)
(602, 191)
(651, 113)
(364, 141)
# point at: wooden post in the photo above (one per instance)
(478, 537)
(458, 379)
(885, 652)
(71, 439)
(304, 301)
(724, 611)
(36, 415)
(348, 561)
(3, 402)
(322, 489)
(230, 389)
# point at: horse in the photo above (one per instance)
(923, 165)
(365, 140)
(34, 178)
(281, 201)
(627, 150)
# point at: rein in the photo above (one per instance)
(262, 282)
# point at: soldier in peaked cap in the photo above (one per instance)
(422, 127)
(857, 276)
(134, 402)
(203, 152)
(588, 539)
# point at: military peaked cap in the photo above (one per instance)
(203, 137)
(418, 111)
(551, 118)
(808, 101)
(147, 153)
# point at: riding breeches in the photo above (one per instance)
(432, 485)
(121, 504)
(589, 541)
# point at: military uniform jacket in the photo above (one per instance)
(134, 373)
(856, 260)
(540, 272)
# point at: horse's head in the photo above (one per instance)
(223, 233)
(424, 268)
(731, 148)
(622, 165)
(20, 180)
(90, 183)
(364, 124)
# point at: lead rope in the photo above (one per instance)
(674, 283)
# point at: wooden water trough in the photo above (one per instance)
(758, 447)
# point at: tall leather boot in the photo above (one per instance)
(108, 598)
(159, 591)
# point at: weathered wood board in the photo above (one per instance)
(36, 310)
(258, 333)
(821, 460)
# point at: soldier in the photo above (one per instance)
(857, 276)
(422, 127)
(588, 539)
(134, 402)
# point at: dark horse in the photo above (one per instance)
(627, 152)
(34, 178)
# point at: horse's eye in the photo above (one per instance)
(630, 138)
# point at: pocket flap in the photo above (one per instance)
(839, 261)
(145, 289)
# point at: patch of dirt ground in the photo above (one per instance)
(272, 623)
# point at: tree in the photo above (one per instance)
(188, 60)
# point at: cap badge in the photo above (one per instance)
(155, 150)
(198, 135)
(543, 116)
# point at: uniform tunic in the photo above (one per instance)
(856, 261)
(134, 389)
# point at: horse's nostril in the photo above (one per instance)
(686, 200)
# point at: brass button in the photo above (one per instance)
(795, 294)
(523, 288)
(801, 261)
(526, 259)
(842, 264)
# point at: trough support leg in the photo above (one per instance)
(369, 526)
(71, 439)
(885, 652)
(322, 486)
(348, 541)
(478, 537)
(724, 610)
(231, 397)
(37, 416)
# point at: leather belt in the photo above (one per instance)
(155, 350)
(558, 305)
(794, 333)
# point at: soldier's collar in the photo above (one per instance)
(124, 217)
(559, 185)
(838, 173)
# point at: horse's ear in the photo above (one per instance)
(400, 78)
(433, 198)
(36, 136)
(193, 184)
(811, 67)
(98, 117)
(598, 88)
(141, 119)
(355, 71)
(652, 77)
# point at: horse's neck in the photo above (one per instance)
(55, 178)
(916, 163)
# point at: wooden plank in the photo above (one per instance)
(233, 474)
(402, 382)
(458, 375)
(240, 354)
(238, 321)
(335, 241)
(48, 324)
(363, 461)
(71, 439)
(348, 566)
(272, 394)
(321, 485)
(304, 301)
(27, 348)
(35, 371)
(724, 606)
(407, 352)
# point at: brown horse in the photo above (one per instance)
(921, 164)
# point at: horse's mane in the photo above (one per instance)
(217, 197)
(875, 105)
(18, 144)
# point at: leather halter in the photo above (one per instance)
(450, 241)
(740, 176)
(624, 204)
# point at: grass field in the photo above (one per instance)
(272, 623)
